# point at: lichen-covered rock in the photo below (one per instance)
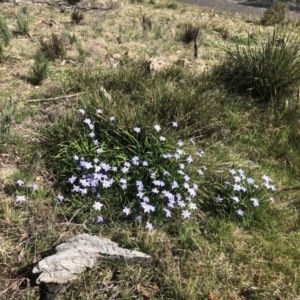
(80, 253)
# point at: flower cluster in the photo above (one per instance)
(241, 193)
(155, 179)
(23, 190)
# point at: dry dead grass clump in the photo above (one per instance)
(53, 47)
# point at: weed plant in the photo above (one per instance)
(39, 70)
(265, 72)
(53, 47)
(274, 15)
(77, 16)
(189, 34)
(5, 33)
(22, 26)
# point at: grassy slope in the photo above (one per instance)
(205, 254)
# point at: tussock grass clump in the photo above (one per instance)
(22, 26)
(7, 111)
(146, 23)
(274, 15)
(5, 33)
(77, 16)
(53, 47)
(190, 33)
(39, 70)
(265, 72)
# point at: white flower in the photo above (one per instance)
(126, 211)
(20, 199)
(235, 198)
(82, 111)
(219, 199)
(180, 143)
(99, 111)
(240, 212)
(162, 139)
(186, 214)
(149, 226)
(201, 153)
(111, 119)
(200, 172)
(189, 159)
(157, 127)
(97, 205)
(174, 124)
(19, 182)
(137, 129)
(192, 206)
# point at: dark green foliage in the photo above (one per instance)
(189, 34)
(76, 16)
(39, 70)
(22, 25)
(53, 47)
(265, 72)
(274, 15)
(5, 33)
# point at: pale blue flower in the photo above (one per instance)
(149, 226)
(111, 118)
(125, 170)
(232, 171)
(60, 197)
(266, 178)
(250, 180)
(200, 172)
(186, 214)
(75, 157)
(72, 179)
(180, 143)
(155, 191)
(99, 150)
(192, 206)
(240, 212)
(100, 219)
(97, 205)
(181, 203)
(126, 211)
(201, 153)
(145, 164)
(255, 202)
(174, 124)
(168, 213)
(20, 199)
(92, 134)
(19, 182)
(162, 139)
(189, 159)
(235, 198)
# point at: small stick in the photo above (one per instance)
(55, 98)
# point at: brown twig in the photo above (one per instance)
(55, 98)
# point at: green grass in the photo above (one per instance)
(215, 251)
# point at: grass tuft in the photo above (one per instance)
(266, 72)
(5, 33)
(274, 15)
(39, 70)
(53, 47)
(22, 26)
(77, 16)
